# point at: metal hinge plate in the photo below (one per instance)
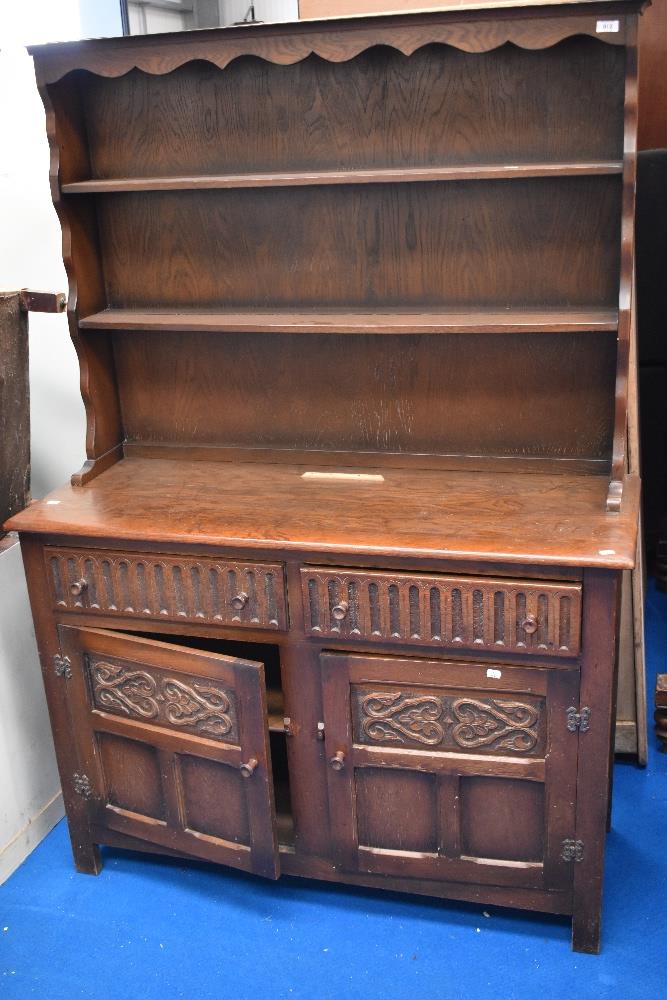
(578, 720)
(62, 666)
(572, 850)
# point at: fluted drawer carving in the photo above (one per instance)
(461, 612)
(177, 701)
(175, 588)
(477, 722)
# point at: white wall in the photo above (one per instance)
(30, 256)
(30, 798)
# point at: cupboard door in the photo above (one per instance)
(173, 746)
(451, 771)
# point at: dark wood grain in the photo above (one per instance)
(460, 515)
(396, 175)
(84, 846)
(400, 711)
(70, 158)
(153, 785)
(419, 245)
(652, 132)
(626, 304)
(461, 612)
(378, 112)
(352, 301)
(380, 394)
(478, 26)
(244, 594)
(660, 702)
(597, 692)
(14, 407)
(369, 320)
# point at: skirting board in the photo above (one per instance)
(26, 840)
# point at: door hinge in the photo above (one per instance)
(578, 720)
(62, 666)
(572, 850)
(82, 785)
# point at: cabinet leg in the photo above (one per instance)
(87, 858)
(586, 931)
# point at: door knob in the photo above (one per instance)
(248, 769)
(239, 601)
(77, 588)
(340, 611)
(338, 761)
(529, 624)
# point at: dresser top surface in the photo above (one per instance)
(461, 515)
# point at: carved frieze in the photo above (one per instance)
(194, 704)
(448, 723)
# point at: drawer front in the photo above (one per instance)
(173, 588)
(460, 612)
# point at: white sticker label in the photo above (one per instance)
(52, 502)
(497, 674)
(607, 27)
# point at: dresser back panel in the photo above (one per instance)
(535, 395)
(440, 105)
(536, 242)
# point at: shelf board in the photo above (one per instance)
(356, 320)
(385, 175)
(275, 710)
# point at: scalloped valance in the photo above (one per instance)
(475, 29)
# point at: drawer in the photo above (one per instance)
(173, 588)
(514, 616)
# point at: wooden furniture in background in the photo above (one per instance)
(631, 732)
(336, 592)
(652, 133)
(14, 407)
(15, 394)
(661, 709)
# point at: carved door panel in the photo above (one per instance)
(173, 745)
(451, 771)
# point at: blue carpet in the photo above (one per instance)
(149, 927)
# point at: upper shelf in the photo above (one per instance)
(304, 178)
(358, 320)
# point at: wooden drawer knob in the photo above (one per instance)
(239, 601)
(248, 769)
(338, 761)
(529, 624)
(77, 588)
(340, 611)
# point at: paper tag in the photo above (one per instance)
(360, 477)
(607, 27)
(496, 674)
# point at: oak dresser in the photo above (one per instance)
(335, 593)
